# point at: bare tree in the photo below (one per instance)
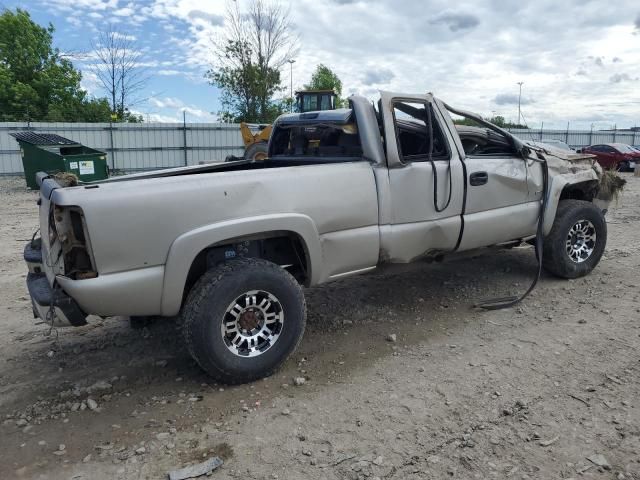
(119, 69)
(248, 58)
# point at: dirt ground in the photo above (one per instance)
(546, 390)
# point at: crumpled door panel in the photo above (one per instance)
(506, 184)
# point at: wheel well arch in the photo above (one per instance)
(294, 228)
(580, 191)
(282, 247)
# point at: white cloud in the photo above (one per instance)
(511, 99)
(197, 112)
(90, 83)
(469, 56)
(211, 18)
(568, 54)
(169, 72)
(378, 76)
(173, 109)
(456, 21)
(167, 102)
(622, 77)
(75, 21)
(177, 117)
(77, 5)
(482, 61)
(123, 12)
(125, 36)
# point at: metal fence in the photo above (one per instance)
(132, 147)
(579, 138)
(147, 146)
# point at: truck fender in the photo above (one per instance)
(187, 246)
(556, 185)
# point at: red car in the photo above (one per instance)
(615, 156)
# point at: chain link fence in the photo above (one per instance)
(579, 138)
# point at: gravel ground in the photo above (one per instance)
(403, 379)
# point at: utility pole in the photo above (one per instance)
(291, 62)
(184, 136)
(519, 99)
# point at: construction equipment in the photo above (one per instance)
(255, 144)
(256, 137)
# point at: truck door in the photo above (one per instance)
(498, 207)
(426, 191)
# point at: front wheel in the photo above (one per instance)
(243, 318)
(577, 239)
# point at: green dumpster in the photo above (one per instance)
(46, 152)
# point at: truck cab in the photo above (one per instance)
(315, 100)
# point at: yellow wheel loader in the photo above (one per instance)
(256, 137)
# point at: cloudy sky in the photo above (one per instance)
(579, 60)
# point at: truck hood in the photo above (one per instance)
(561, 162)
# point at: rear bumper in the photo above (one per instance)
(50, 304)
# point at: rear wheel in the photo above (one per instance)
(256, 151)
(577, 239)
(242, 319)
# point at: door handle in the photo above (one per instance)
(478, 178)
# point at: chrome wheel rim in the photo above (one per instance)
(252, 323)
(581, 241)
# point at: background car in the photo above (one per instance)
(615, 156)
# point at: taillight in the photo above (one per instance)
(69, 228)
(53, 232)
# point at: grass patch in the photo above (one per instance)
(66, 179)
(611, 185)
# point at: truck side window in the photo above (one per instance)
(478, 140)
(412, 132)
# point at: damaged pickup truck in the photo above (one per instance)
(229, 247)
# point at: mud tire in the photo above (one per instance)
(556, 259)
(208, 303)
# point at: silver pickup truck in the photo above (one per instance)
(228, 247)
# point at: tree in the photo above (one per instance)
(247, 61)
(84, 109)
(500, 121)
(323, 78)
(36, 83)
(497, 120)
(119, 71)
